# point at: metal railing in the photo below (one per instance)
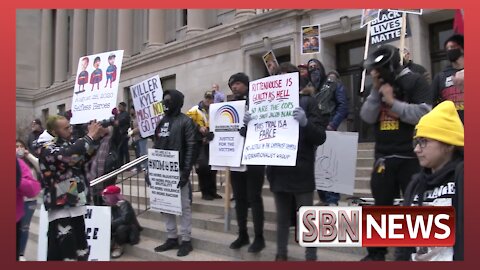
(137, 188)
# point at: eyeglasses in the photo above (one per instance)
(422, 142)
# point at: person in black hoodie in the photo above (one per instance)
(297, 182)
(177, 132)
(438, 143)
(397, 101)
(443, 86)
(247, 186)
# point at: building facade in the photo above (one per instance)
(190, 49)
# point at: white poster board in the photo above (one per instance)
(336, 162)
(97, 228)
(147, 100)
(164, 175)
(272, 134)
(226, 119)
(96, 86)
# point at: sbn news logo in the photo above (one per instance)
(371, 226)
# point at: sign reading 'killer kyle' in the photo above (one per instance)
(96, 86)
(272, 134)
(387, 27)
(147, 100)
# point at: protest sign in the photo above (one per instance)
(330, 175)
(96, 86)
(147, 101)
(271, 63)
(226, 119)
(409, 11)
(310, 39)
(272, 134)
(368, 15)
(387, 27)
(97, 228)
(164, 175)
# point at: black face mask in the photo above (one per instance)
(167, 104)
(316, 78)
(454, 54)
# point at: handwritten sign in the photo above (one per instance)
(336, 161)
(226, 119)
(164, 175)
(147, 101)
(272, 135)
(96, 86)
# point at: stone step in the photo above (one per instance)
(366, 146)
(218, 242)
(365, 153)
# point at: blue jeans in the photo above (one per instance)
(141, 150)
(329, 197)
(29, 207)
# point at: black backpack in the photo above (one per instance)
(112, 160)
(325, 97)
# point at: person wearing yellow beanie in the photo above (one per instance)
(438, 143)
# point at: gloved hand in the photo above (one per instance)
(183, 180)
(130, 132)
(300, 116)
(247, 118)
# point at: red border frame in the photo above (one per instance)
(8, 110)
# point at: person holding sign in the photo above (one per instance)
(397, 101)
(298, 182)
(65, 191)
(247, 186)
(176, 131)
(207, 179)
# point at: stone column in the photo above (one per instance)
(100, 37)
(196, 21)
(79, 46)
(156, 27)
(61, 42)
(125, 29)
(46, 64)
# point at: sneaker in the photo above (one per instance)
(185, 248)
(257, 245)
(217, 196)
(22, 259)
(117, 251)
(241, 241)
(281, 258)
(373, 257)
(171, 243)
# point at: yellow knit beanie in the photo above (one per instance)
(442, 124)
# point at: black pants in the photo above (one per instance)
(123, 154)
(387, 184)
(121, 234)
(207, 180)
(19, 226)
(67, 239)
(283, 203)
(247, 190)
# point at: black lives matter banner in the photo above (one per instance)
(387, 27)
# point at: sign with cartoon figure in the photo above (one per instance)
(336, 162)
(310, 39)
(147, 101)
(272, 134)
(226, 119)
(96, 86)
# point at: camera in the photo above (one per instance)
(107, 122)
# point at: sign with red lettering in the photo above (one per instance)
(272, 134)
(371, 226)
(147, 100)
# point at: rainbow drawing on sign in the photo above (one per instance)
(227, 114)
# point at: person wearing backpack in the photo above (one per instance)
(332, 102)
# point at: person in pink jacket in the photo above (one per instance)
(28, 187)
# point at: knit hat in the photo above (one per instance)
(238, 77)
(111, 190)
(442, 124)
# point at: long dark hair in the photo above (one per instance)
(19, 173)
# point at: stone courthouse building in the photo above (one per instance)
(190, 49)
